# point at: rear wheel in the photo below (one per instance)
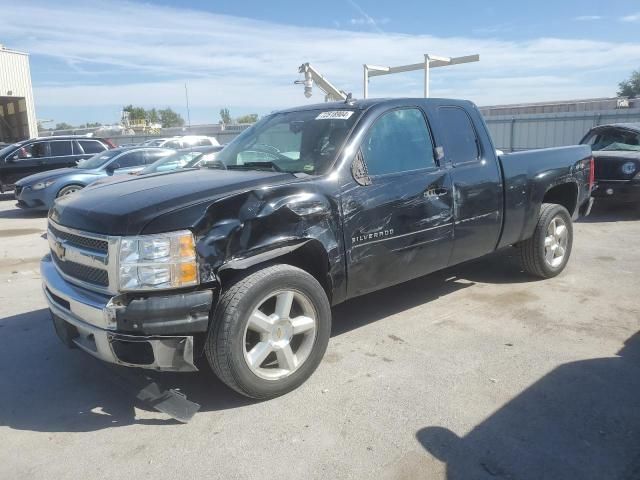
(547, 252)
(69, 190)
(270, 331)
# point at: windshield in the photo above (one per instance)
(295, 142)
(612, 139)
(98, 159)
(8, 148)
(170, 162)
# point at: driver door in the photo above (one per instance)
(398, 222)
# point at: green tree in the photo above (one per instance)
(631, 87)
(250, 118)
(135, 113)
(169, 118)
(225, 116)
(63, 126)
(153, 116)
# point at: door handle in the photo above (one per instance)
(436, 192)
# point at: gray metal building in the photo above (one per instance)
(554, 124)
(17, 109)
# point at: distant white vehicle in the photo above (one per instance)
(155, 142)
(188, 141)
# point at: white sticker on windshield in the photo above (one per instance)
(335, 115)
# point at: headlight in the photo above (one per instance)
(157, 262)
(629, 168)
(41, 185)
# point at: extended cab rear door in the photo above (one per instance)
(398, 211)
(476, 179)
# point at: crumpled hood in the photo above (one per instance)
(52, 175)
(125, 207)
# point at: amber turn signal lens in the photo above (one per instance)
(186, 247)
(187, 273)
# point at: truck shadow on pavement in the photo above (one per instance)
(47, 387)
(580, 421)
(498, 268)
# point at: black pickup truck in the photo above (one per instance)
(240, 264)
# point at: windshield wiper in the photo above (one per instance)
(256, 165)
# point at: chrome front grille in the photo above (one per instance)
(84, 273)
(83, 258)
(81, 241)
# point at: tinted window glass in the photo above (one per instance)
(132, 159)
(33, 150)
(91, 146)
(399, 141)
(60, 148)
(461, 144)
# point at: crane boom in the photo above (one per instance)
(311, 75)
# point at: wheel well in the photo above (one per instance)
(70, 185)
(310, 257)
(565, 195)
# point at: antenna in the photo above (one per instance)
(186, 94)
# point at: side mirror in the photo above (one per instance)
(111, 168)
(359, 170)
(13, 158)
(439, 153)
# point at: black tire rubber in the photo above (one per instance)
(60, 194)
(224, 345)
(532, 250)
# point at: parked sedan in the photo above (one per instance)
(616, 152)
(187, 158)
(40, 191)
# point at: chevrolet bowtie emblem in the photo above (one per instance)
(59, 250)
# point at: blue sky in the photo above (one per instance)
(89, 58)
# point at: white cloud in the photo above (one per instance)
(588, 18)
(146, 53)
(633, 18)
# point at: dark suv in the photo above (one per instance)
(36, 155)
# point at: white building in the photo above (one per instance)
(17, 110)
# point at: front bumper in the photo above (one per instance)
(92, 321)
(32, 199)
(624, 191)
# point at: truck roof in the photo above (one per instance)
(364, 104)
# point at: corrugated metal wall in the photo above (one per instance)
(16, 90)
(521, 129)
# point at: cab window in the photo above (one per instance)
(399, 141)
(460, 141)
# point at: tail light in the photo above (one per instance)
(592, 173)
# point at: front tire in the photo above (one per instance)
(547, 252)
(270, 331)
(69, 190)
